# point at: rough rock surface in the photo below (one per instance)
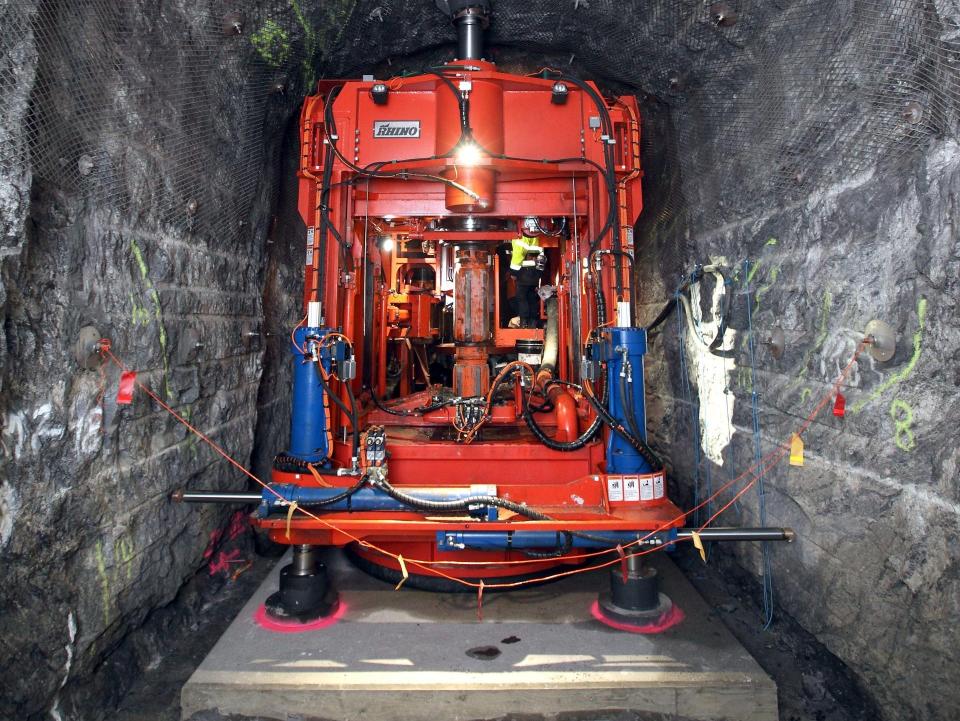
(97, 229)
(90, 544)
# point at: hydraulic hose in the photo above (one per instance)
(351, 414)
(461, 504)
(636, 442)
(551, 336)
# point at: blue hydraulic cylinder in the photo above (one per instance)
(624, 350)
(279, 496)
(506, 540)
(308, 422)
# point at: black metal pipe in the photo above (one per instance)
(740, 534)
(469, 36)
(216, 497)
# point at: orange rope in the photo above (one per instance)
(430, 566)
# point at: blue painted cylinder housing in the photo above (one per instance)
(308, 422)
(624, 350)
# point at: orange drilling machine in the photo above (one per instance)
(468, 395)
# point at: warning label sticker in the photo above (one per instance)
(309, 246)
(658, 486)
(646, 489)
(615, 488)
(631, 488)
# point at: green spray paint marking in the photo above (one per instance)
(272, 44)
(157, 313)
(772, 241)
(904, 372)
(771, 279)
(187, 414)
(104, 584)
(140, 316)
(123, 550)
(821, 338)
(902, 415)
(309, 45)
(805, 395)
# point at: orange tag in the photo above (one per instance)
(290, 510)
(698, 544)
(403, 570)
(480, 601)
(796, 450)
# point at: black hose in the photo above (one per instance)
(460, 504)
(351, 415)
(636, 442)
(386, 409)
(629, 411)
(563, 547)
(554, 445)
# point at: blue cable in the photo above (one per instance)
(694, 410)
(758, 457)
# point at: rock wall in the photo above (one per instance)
(142, 147)
(875, 571)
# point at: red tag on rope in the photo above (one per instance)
(839, 406)
(623, 562)
(125, 392)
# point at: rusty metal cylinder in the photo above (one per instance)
(472, 319)
(472, 294)
(471, 371)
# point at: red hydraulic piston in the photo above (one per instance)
(485, 136)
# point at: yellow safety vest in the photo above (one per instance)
(520, 247)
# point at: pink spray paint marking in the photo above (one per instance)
(668, 620)
(265, 621)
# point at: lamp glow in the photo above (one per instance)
(386, 244)
(468, 153)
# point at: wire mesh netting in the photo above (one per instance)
(766, 95)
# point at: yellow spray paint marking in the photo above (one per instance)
(805, 395)
(796, 450)
(144, 317)
(902, 415)
(104, 584)
(904, 372)
(123, 553)
(821, 338)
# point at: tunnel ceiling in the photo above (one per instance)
(869, 79)
(147, 187)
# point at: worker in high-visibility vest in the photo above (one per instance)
(527, 262)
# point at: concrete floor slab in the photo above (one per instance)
(402, 656)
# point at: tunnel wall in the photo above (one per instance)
(141, 148)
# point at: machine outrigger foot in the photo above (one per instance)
(306, 593)
(634, 597)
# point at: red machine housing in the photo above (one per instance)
(426, 232)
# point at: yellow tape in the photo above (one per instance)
(796, 450)
(403, 570)
(698, 544)
(293, 507)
